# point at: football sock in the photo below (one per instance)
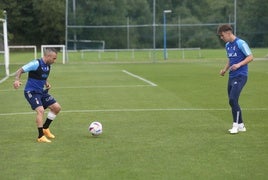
(47, 123)
(40, 132)
(50, 117)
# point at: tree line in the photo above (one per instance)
(128, 23)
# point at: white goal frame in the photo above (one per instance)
(102, 42)
(63, 47)
(6, 50)
(25, 47)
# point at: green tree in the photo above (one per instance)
(49, 21)
(43, 21)
(253, 22)
(20, 20)
(35, 21)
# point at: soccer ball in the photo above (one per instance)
(95, 128)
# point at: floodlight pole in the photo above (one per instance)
(235, 4)
(127, 32)
(165, 32)
(75, 35)
(154, 30)
(66, 23)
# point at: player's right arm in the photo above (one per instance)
(31, 66)
(17, 82)
(223, 71)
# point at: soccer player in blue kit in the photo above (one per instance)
(36, 92)
(239, 55)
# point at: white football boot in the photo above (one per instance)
(241, 127)
(234, 129)
(237, 128)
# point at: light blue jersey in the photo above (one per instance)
(237, 51)
(38, 74)
(31, 66)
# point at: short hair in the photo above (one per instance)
(50, 50)
(224, 28)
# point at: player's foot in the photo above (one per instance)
(43, 139)
(234, 129)
(237, 128)
(48, 134)
(242, 129)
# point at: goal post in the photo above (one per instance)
(25, 47)
(62, 47)
(86, 44)
(5, 45)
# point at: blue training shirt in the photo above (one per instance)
(237, 51)
(37, 76)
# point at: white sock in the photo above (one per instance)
(51, 115)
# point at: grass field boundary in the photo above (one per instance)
(137, 110)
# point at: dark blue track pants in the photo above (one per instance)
(235, 86)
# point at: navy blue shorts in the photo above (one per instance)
(37, 99)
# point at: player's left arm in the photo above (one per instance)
(243, 46)
(48, 85)
(247, 60)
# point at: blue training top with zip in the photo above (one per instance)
(37, 76)
(237, 51)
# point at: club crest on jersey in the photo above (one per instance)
(45, 68)
(232, 51)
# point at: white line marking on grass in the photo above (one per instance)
(136, 110)
(84, 87)
(5, 78)
(107, 86)
(140, 78)
(17, 113)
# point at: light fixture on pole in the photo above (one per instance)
(165, 32)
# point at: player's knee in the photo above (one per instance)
(233, 102)
(58, 108)
(55, 108)
(40, 110)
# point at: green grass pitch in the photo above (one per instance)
(175, 130)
